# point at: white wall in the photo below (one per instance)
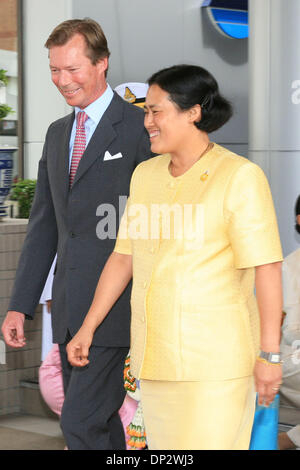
(143, 37)
(274, 108)
(42, 102)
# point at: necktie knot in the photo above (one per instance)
(81, 118)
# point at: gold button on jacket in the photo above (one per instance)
(195, 240)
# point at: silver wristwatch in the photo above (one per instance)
(274, 358)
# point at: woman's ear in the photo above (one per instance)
(195, 113)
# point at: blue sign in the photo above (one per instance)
(229, 16)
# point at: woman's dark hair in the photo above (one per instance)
(297, 212)
(189, 85)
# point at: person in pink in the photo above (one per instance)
(52, 390)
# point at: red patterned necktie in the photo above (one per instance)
(79, 144)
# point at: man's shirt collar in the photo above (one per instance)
(96, 109)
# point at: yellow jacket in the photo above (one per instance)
(194, 313)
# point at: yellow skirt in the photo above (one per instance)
(208, 415)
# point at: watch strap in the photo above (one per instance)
(274, 358)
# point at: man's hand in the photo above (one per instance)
(13, 329)
(78, 348)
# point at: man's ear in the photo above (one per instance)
(102, 64)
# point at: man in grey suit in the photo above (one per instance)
(64, 219)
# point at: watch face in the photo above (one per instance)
(271, 357)
(275, 358)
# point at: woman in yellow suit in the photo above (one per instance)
(198, 234)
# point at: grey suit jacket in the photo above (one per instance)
(65, 221)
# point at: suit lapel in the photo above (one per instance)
(102, 137)
(63, 157)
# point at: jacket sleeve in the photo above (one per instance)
(251, 218)
(39, 246)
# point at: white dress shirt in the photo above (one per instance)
(95, 112)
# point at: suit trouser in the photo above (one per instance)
(93, 396)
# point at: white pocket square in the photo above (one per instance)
(108, 156)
